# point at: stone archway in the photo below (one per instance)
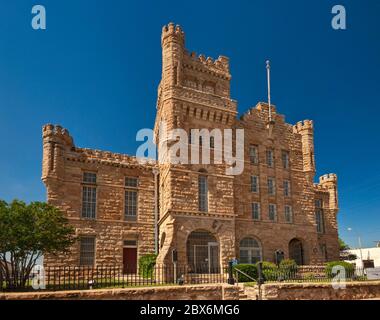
(296, 251)
(203, 252)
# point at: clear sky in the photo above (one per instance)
(96, 67)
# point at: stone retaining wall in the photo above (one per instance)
(321, 291)
(194, 292)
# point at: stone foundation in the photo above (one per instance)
(200, 292)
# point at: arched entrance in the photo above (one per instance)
(296, 251)
(250, 251)
(203, 252)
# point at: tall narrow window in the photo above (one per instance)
(87, 251)
(271, 186)
(270, 158)
(320, 220)
(89, 195)
(253, 155)
(288, 214)
(212, 142)
(285, 159)
(131, 198)
(272, 212)
(202, 193)
(256, 211)
(324, 252)
(286, 188)
(319, 216)
(255, 184)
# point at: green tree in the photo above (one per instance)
(342, 245)
(26, 233)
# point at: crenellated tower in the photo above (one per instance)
(56, 140)
(306, 130)
(329, 182)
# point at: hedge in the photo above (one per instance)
(146, 265)
(348, 267)
(249, 269)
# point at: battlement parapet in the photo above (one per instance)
(303, 125)
(222, 63)
(57, 132)
(116, 158)
(331, 177)
(173, 31)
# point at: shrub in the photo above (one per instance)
(270, 271)
(249, 269)
(146, 265)
(348, 267)
(288, 269)
(288, 265)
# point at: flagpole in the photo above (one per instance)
(269, 102)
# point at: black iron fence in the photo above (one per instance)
(304, 274)
(88, 277)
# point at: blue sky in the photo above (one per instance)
(96, 68)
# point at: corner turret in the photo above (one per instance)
(56, 140)
(306, 130)
(329, 182)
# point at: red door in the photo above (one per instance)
(130, 260)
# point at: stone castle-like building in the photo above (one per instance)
(122, 209)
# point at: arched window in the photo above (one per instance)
(250, 251)
(202, 192)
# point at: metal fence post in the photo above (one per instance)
(260, 278)
(230, 279)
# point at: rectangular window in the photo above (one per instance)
(286, 188)
(130, 243)
(256, 211)
(270, 158)
(202, 193)
(272, 212)
(89, 202)
(320, 221)
(271, 186)
(212, 142)
(253, 155)
(131, 182)
(89, 195)
(285, 159)
(89, 177)
(130, 205)
(255, 184)
(87, 251)
(288, 214)
(324, 252)
(318, 203)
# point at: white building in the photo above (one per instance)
(367, 254)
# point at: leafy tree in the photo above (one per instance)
(342, 245)
(26, 233)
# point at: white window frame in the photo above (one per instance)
(255, 206)
(257, 184)
(272, 205)
(288, 210)
(272, 186)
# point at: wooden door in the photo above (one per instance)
(130, 260)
